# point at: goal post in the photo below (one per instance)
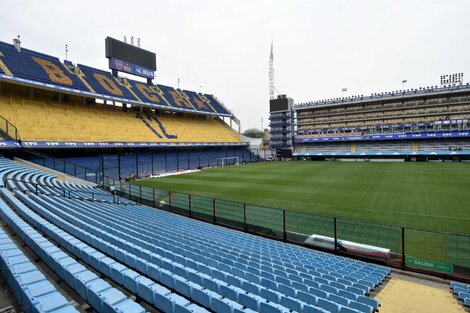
(228, 161)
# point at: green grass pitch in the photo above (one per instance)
(424, 195)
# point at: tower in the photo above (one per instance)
(271, 73)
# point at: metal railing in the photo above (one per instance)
(8, 131)
(75, 170)
(68, 193)
(434, 252)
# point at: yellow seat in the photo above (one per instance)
(48, 120)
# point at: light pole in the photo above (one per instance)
(343, 90)
(403, 82)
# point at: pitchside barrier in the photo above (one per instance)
(433, 252)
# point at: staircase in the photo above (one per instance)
(162, 128)
(146, 122)
(8, 131)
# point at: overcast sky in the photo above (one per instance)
(222, 47)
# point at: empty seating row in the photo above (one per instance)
(115, 267)
(32, 289)
(196, 275)
(97, 292)
(48, 184)
(282, 280)
(201, 265)
(462, 291)
(47, 120)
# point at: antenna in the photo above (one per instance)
(66, 52)
(271, 73)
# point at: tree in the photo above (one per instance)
(253, 133)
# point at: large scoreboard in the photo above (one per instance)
(279, 104)
(130, 59)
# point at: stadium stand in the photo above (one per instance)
(462, 291)
(47, 120)
(41, 68)
(430, 121)
(174, 263)
(32, 289)
(116, 126)
(47, 104)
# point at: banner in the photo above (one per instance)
(385, 137)
(71, 144)
(429, 265)
(130, 68)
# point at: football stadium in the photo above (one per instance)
(122, 193)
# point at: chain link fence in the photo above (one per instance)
(434, 252)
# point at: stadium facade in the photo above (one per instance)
(412, 125)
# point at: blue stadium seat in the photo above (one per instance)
(212, 267)
(31, 288)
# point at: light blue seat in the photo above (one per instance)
(70, 273)
(179, 302)
(289, 291)
(328, 289)
(328, 305)
(271, 308)
(270, 284)
(233, 280)
(318, 293)
(117, 272)
(105, 265)
(458, 289)
(230, 292)
(202, 296)
(94, 293)
(251, 287)
(83, 281)
(307, 298)
(466, 301)
(250, 301)
(361, 307)
(224, 305)
(167, 278)
(270, 295)
(464, 294)
(339, 300)
(348, 295)
(130, 280)
(291, 304)
(162, 301)
(369, 301)
(145, 288)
